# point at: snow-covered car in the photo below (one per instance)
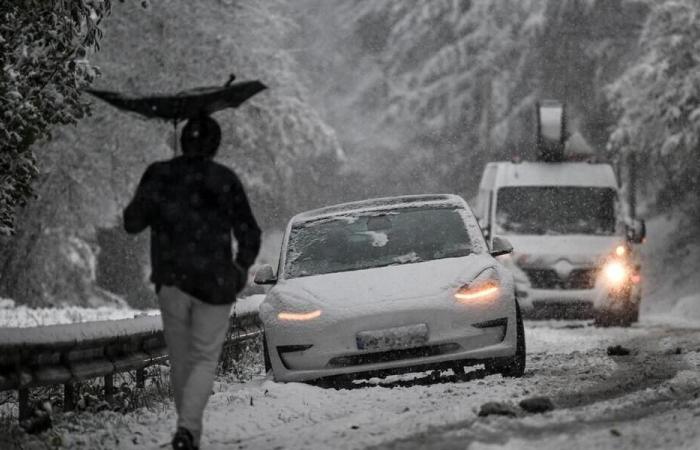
(390, 285)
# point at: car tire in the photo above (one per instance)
(266, 355)
(513, 366)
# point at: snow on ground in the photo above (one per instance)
(670, 293)
(566, 336)
(567, 361)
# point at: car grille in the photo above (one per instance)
(549, 279)
(393, 355)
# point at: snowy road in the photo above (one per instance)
(648, 399)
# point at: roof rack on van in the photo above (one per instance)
(551, 130)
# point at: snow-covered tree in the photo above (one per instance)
(423, 93)
(279, 145)
(658, 105)
(43, 58)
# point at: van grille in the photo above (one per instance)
(549, 279)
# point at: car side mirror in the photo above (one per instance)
(265, 275)
(500, 246)
(636, 231)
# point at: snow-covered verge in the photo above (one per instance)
(671, 260)
(13, 316)
(21, 316)
(21, 325)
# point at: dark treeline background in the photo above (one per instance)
(366, 98)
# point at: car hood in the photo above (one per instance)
(382, 284)
(575, 249)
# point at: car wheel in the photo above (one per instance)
(266, 355)
(513, 366)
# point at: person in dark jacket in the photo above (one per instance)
(192, 204)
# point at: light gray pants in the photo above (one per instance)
(194, 333)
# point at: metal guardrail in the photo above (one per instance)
(69, 354)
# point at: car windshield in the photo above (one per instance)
(556, 210)
(367, 240)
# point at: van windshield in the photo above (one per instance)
(556, 210)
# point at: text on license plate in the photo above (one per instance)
(407, 336)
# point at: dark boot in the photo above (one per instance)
(183, 440)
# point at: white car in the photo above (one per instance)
(390, 285)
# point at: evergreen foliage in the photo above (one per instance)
(452, 84)
(658, 104)
(43, 49)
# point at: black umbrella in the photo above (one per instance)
(184, 104)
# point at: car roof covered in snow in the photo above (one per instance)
(554, 174)
(381, 204)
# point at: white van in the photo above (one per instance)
(573, 249)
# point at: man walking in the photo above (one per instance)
(192, 204)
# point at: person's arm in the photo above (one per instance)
(138, 214)
(245, 228)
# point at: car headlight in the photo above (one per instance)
(478, 291)
(299, 316)
(615, 273)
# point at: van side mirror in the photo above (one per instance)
(265, 275)
(500, 246)
(636, 231)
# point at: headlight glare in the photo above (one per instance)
(615, 273)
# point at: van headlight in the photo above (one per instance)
(615, 273)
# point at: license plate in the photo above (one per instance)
(408, 336)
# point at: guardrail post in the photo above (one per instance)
(68, 397)
(141, 378)
(109, 387)
(23, 399)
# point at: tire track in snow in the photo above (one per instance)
(653, 380)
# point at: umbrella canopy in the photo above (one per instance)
(184, 104)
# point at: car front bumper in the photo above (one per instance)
(468, 334)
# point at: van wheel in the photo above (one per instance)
(513, 366)
(620, 318)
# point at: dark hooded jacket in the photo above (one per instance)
(192, 204)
